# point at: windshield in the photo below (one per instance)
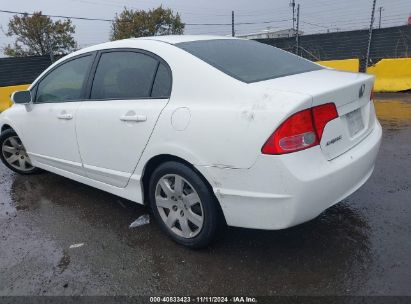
(247, 60)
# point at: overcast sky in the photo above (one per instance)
(316, 15)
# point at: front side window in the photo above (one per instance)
(124, 75)
(247, 60)
(64, 83)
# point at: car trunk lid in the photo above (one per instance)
(350, 92)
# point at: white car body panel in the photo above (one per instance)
(46, 129)
(108, 157)
(218, 124)
(280, 192)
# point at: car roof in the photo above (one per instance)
(174, 39)
(145, 41)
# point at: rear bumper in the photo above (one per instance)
(282, 191)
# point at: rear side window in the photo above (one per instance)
(247, 60)
(162, 83)
(65, 82)
(123, 75)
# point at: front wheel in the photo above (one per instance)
(183, 205)
(14, 155)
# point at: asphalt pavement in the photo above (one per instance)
(59, 237)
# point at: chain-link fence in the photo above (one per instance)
(392, 42)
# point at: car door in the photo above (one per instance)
(127, 94)
(48, 124)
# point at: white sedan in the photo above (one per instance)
(208, 131)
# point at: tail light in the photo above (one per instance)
(300, 131)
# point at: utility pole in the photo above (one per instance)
(232, 24)
(292, 5)
(297, 34)
(380, 9)
(367, 57)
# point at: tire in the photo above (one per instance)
(178, 212)
(11, 145)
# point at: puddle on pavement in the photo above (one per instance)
(7, 206)
(394, 113)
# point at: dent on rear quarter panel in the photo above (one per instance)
(227, 134)
(229, 120)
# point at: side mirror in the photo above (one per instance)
(21, 97)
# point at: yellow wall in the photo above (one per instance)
(350, 65)
(5, 93)
(392, 75)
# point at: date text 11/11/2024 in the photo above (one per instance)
(203, 299)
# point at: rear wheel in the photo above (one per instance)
(183, 205)
(13, 153)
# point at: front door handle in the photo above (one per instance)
(136, 118)
(65, 116)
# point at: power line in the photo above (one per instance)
(111, 20)
(313, 20)
(59, 16)
(239, 23)
(314, 24)
(348, 24)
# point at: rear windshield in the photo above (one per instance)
(247, 60)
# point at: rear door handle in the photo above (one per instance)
(65, 116)
(136, 118)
